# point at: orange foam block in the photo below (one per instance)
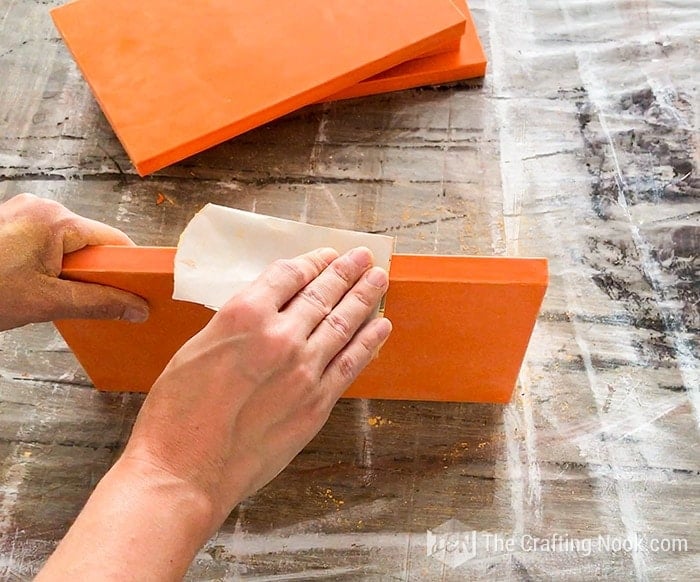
(174, 78)
(452, 45)
(461, 324)
(466, 62)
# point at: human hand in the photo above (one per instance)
(230, 411)
(34, 235)
(244, 396)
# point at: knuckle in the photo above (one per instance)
(282, 342)
(317, 260)
(65, 224)
(107, 309)
(53, 205)
(110, 311)
(366, 300)
(370, 347)
(341, 270)
(247, 305)
(227, 313)
(347, 367)
(290, 269)
(308, 377)
(315, 298)
(243, 309)
(339, 324)
(26, 198)
(40, 209)
(50, 206)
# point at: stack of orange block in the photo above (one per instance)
(175, 78)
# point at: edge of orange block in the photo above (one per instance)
(446, 47)
(404, 267)
(467, 62)
(461, 324)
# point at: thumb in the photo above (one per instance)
(74, 300)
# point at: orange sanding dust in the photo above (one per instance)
(177, 77)
(461, 324)
(468, 62)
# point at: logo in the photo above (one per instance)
(451, 544)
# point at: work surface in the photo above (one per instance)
(580, 145)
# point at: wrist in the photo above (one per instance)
(174, 501)
(140, 523)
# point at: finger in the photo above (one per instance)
(284, 278)
(78, 232)
(340, 325)
(318, 298)
(344, 368)
(73, 300)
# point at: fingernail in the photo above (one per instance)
(362, 256)
(386, 330)
(377, 277)
(384, 333)
(136, 314)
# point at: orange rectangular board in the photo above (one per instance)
(468, 62)
(174, 78)
(446, 47)
(461, 324)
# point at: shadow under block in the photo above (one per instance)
(468, 62)
(175, 78)
(461, 324)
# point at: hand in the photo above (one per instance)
(34, 235)
(230, 411)
(244, 396)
